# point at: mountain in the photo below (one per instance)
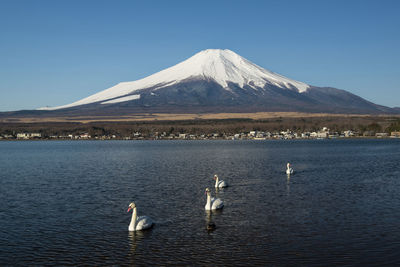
(217, 80)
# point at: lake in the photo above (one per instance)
(65, 202)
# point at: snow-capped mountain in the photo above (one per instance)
(216, 80)
(220, 66)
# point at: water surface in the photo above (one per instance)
(65, 202)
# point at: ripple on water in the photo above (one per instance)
(64, 203)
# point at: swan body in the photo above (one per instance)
(218, 183)
(289, 170)
(212, 202)
(138, 222)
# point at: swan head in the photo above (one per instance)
(131, 206)
(207, 190)
(215, 177)
(288, 165)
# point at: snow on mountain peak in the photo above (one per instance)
(222, 66)
(225, 66)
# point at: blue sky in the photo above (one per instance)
(56, 52)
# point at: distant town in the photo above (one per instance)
(323, 133)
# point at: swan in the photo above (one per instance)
(218, 183)
(289, 170)
(138, 223)
(212, 202)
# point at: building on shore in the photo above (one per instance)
(380, 135)
(395, 134)
(28, 135)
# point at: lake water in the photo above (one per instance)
(65, 203)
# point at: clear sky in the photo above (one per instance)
(56, 52)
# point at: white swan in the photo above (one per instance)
(212, 202)
(218, 183)
(289, 170)
(138, 223)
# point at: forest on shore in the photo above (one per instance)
(360, 124)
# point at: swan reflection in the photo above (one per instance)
(134, 240)
(210, 225)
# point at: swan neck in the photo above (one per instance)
(132, 225)
(208, 201)
(216, 181)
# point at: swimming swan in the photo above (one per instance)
(212, 202)
(138, 223)
(218, 183)
(289, 170)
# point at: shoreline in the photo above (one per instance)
(199, 139)
(277, 126)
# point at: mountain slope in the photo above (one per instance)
(221, 66)
(217, 80)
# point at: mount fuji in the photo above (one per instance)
(216, 80)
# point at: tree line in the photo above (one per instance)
(227, 126)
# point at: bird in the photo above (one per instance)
(138, 223)
(289, 170)
(212, 202)
(218, 183)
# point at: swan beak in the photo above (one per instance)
(129, 209)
